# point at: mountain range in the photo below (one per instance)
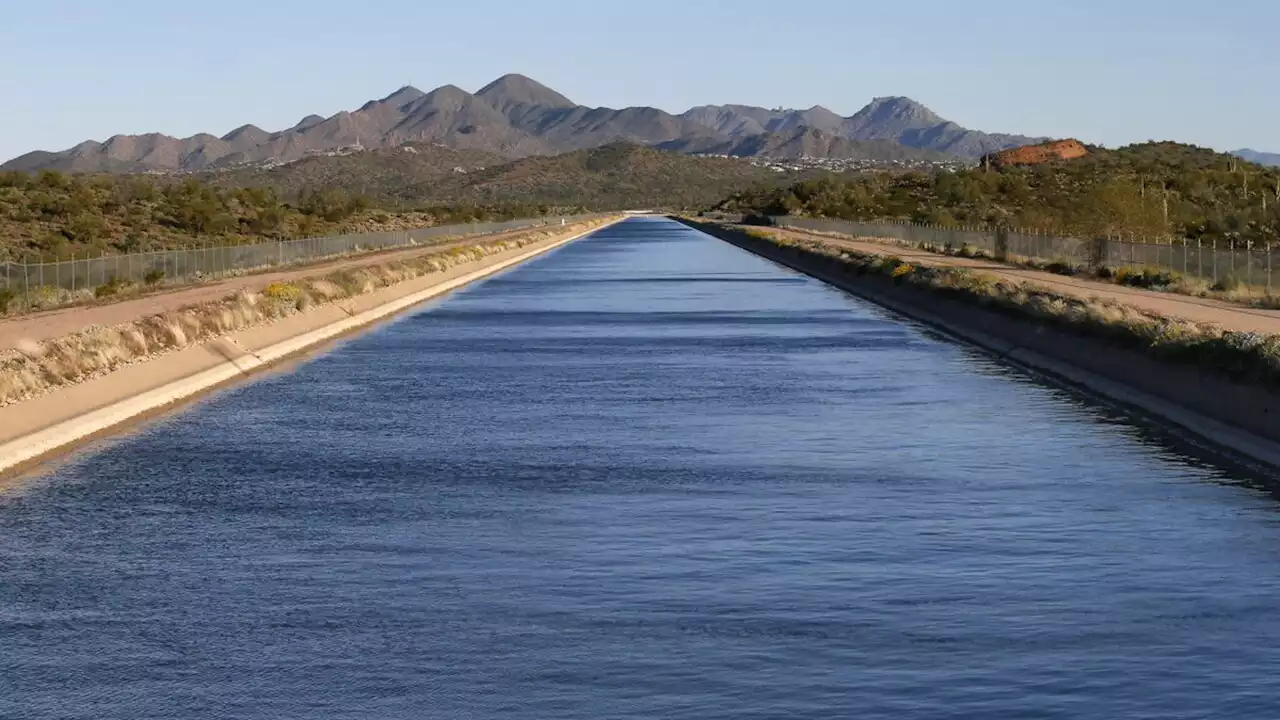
(1255, 156)
(515, 117)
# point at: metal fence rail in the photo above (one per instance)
(24, 280)
(1217, 262)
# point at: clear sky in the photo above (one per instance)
(1106, 71)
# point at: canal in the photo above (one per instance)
(648, 475)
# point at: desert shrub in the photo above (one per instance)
(1190, 286)
(7, 296)
(281, 291)
(46, 296)
(1228, 283)
(112, 286)
(1146, 277)
(153, 276)
(1061, 267)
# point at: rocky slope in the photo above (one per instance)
(1038, 154)
(515, 117)
(802, 142)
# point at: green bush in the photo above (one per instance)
(7, 296)
(1145, 277)
(112, 286)
(153, 276)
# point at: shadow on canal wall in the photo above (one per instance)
(1201, 398)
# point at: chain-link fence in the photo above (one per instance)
(1217, 262)
(25, 279)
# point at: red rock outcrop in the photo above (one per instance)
(1038, 154)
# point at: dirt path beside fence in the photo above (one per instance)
(48, 324)
(1201, 310)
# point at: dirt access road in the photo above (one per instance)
(49, 324)
(1195, 309)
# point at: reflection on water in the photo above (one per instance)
(648, 475)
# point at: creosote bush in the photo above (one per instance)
(111, 287)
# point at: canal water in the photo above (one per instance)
(646, 476)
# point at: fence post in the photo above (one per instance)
(73, 273)
(1248, 261)
(26, 284)
(1215, 261)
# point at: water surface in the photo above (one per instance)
(648, 475)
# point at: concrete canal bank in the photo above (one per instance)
(1201, 403)
(35, 428)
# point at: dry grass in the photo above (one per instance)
(35, 368)
(1243, 356)
(1228, 289)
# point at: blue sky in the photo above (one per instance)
(1107, 72)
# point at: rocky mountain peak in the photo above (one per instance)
(514, 89)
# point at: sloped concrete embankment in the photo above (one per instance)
(36, 428)
(1201, 404)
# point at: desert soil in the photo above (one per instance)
(1195, 309)
(49, 324)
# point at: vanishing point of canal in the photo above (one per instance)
(648, 475)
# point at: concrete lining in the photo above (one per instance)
(35, 429)
(1232, 420)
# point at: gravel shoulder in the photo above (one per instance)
(1195, 309)
(49, 324)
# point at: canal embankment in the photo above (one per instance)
(1206, 382)
(61, 391)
